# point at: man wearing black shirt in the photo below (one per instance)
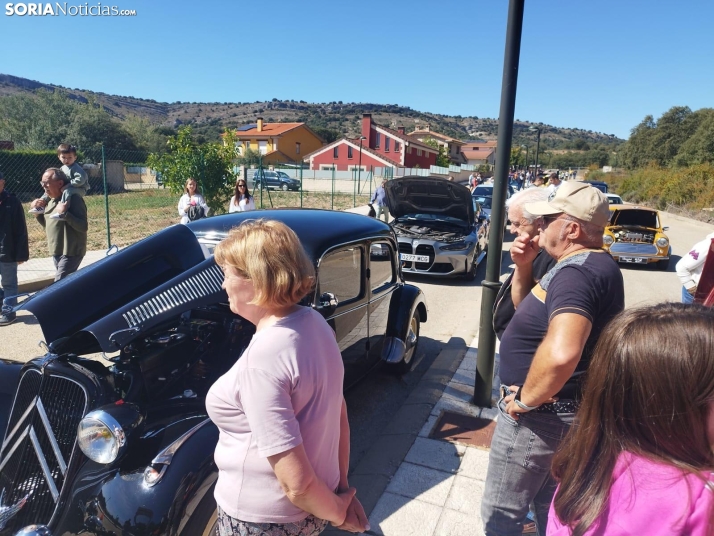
(522, 222)
(545, 351)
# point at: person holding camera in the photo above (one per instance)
(192, 206)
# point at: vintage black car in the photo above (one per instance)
(120, 443)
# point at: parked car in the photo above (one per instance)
(440, 229)
(635, 236)
(600, 185)
(614, 199)
(122, 444)
(278, 180)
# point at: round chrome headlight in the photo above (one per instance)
(100, 437)
(662, 242)
(607, 239)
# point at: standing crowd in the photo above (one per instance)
(606, 416)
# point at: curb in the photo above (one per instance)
(373, 473)
(33, 285)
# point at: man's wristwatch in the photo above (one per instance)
(517, 400)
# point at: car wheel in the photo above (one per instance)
(284, 187)
(663, 265)
(411, 342)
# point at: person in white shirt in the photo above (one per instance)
(241, 201)
(689, 268)
(191, 199)
(553, 183)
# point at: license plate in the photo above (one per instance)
(634, 260)
(413, 258)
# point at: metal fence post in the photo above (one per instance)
(332, 203)
(301, 186)
(106, 198)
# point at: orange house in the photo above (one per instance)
(277, 142)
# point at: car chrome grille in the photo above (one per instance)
(201, 284)
(39, 445)
(623, 248)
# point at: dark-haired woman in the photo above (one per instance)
(640, 457)
(241, 201)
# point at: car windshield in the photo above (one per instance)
(482, 200)
(483, 190)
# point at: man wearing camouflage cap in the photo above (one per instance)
(545, 351)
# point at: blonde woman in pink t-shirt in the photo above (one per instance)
(639, 460)
(284, 444)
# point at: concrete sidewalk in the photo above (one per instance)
(438, 487)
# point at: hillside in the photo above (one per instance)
(210, 118)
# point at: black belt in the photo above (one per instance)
(561, 406)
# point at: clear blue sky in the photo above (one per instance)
(599, 66)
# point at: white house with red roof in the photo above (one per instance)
(478, 153)
(380, 147)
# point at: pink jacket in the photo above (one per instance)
(653, 499)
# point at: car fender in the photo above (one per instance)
(9, 376)
(404, 302)
(125, 500)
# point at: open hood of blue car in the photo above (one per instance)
(100, 289)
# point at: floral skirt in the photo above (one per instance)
(229, 526)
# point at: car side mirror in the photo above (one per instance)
(327, 304)
(665, 228)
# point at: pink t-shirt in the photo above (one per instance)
(650, 498)
(286, 389)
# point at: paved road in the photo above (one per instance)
(453, 313)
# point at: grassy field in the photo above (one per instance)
(138, 214)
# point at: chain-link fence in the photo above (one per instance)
(127, 200)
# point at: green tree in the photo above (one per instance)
(699, 148)
(37, 121)
(442, 159)
(146, 135)
(211, 164)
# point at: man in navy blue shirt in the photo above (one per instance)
(379, 201)
(545, 351)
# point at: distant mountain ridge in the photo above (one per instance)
(209, 119)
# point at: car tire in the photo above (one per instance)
(663, 265)
(411, 342)
(284, 187)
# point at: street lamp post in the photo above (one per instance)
(536, 129)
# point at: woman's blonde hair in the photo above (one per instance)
(270, 254)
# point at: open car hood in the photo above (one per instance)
(429, 195)
(102, 288)
(634, 218)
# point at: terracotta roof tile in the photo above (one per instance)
(269, 129)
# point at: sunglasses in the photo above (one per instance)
(241, 186)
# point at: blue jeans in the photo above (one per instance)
(8, 280)
(686, 296)
(519, 470)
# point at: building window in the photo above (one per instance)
(238, 147)
(409, 150)
(377, 140)
(386, 144)
(247, 145)
(349, 152)
(263, 147)
(297, 147)
(275, 145)
(336, 152)
(418, 152)
(396, 147)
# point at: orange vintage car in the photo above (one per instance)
(635, 236)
